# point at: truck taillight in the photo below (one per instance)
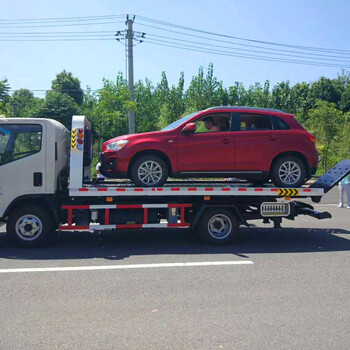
(311, 137)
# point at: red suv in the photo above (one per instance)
(256, 144)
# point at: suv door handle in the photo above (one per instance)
(226, 141)
(273, 138)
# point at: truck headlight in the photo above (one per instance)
(117, 146)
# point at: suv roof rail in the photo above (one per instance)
(247, 108)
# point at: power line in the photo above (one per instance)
(58, 22)
(239, 44)
(70, 39)
(61, 32)
(62, 25)
(59, 18)
(255, 57)
(55, 36)
(63, 90)
(319, 57)
(142, 18)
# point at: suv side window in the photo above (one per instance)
(255, 122)
(221, 122)
(19, 141)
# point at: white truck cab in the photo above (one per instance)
(33, 153)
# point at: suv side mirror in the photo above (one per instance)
(189, 128)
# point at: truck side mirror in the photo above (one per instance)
(189, 128)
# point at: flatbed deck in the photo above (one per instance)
(193, 188)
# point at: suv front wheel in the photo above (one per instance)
(288, 171)
(149, 171)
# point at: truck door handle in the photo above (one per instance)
(38, 179)
(273, 138)
(226, 141)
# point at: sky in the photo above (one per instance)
(34, 64)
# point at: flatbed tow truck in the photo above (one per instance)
(46, 187)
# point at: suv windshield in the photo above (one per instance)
(178, 122)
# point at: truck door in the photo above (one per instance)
(22, 161)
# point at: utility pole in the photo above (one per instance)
(14, 106)
(130, 37)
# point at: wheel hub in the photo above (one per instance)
(219, 226)
(150, 172)
(289, 172)
(28, 227)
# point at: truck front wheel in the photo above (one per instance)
(30, 226)
(218, 226)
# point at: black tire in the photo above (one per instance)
(160, 165)
(31, 226)
(277, 172)
(213, 216)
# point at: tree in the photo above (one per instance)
(281, 96)
(161, 92)
(59, 106)
(324, 89)
(174, 107)
(89, 103)
(344, 103)
(25, 103)
(4, 94)
(147, 109)
(300, 101)
(324, 122)
(66, 83)
(236, 95)
(341, 144)
(202, 91)
(110, 114)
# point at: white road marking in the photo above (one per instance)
(124, 267)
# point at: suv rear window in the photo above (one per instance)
(19, 141)
(279, 124)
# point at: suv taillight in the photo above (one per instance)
(311, 137)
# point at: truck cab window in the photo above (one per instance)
(19, 141)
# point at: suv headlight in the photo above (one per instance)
(117, 146)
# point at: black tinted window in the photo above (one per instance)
(279, 124)
(19, 141)
(255, 122)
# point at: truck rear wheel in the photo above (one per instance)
(218, 226)
(31, 226)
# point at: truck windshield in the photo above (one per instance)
(179, 122)
(19, 141)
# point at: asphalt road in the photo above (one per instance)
(294, 294)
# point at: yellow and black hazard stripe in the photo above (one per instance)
(288, 192)
(74, 139)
